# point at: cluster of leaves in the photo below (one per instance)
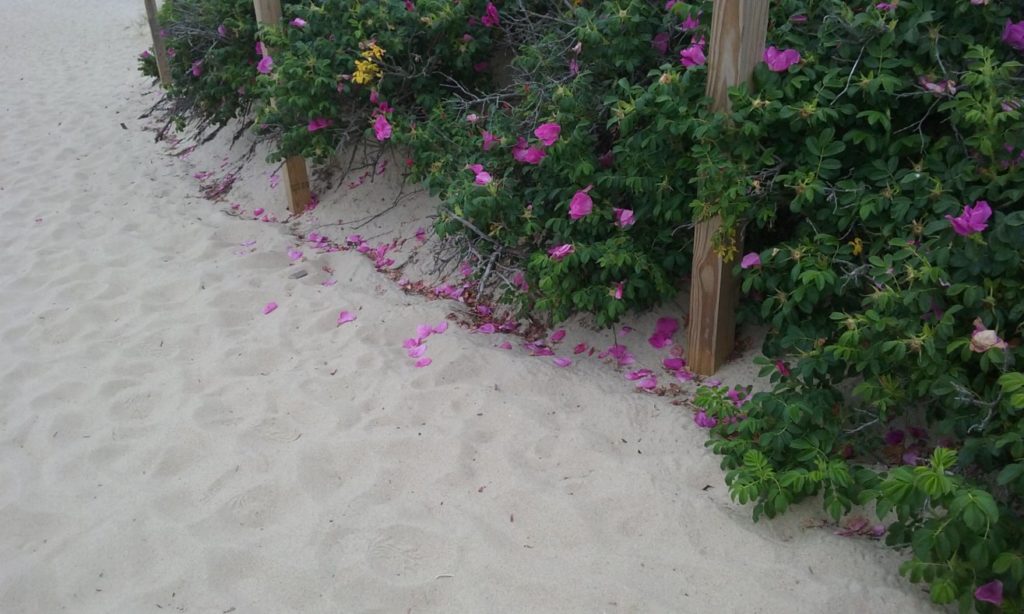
(627, 113)
(901, 312)
(211, 48)
(572, 150)
(411, 55)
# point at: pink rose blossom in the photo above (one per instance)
(779, 60)
(319, 123)
(527, 155)
(490, 18)
(489, 140)
(984, 339)
(753, 259)
(1013, 34)
(298, 22)
(197, 68)
(693, 56)
(381, 128)
(660, 42)
(990, 593)
(973, 219)
(623, 217)
(581, 204)
(548, 133)
(266, 65)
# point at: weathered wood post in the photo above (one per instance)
(738, 32)
(163, 63)
(296, 177)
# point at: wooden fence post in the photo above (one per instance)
(296, 177)
(738, 32)
(163, 64)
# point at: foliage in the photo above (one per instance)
(873, 167)
(212, 59)
(899, 319)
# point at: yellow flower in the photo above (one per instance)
(858, 246)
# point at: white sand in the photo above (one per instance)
(165, 446)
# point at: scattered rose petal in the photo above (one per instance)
(440, 328)
(417, 350)
(580, 348)
(345, 317)
(423, 362)
(562, 362)
(327, 283)
(294, 254)
(505, 345)
(990, 593)
(648, 383)
(558, 335)
(487, 329)
(270, 307)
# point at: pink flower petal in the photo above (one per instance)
(440, 328)
(270, 307)
(345, 317)
(423, 362)
(580, 348)
(294, 254)
(673, 364)
(417, 351)
(639, 374)
(562, 362)
(424, 330)
(648, 383)
(558, 335)
(505, 345)
(329, 282)
(487, 329)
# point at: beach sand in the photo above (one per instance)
(165, 446)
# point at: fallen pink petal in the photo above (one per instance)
(558, 335)
(648, 383)
(423, 362)
(416, 351)
(562, 362)
(345, 317)
(440, 328)
(269, 308)
(294, 254)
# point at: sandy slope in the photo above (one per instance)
(165, 446)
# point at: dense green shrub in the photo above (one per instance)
(212, 58)
(873, 171)
(340, 67)
(882, 181)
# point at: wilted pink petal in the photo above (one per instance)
(327, 283)
(703, 420)
(660, 42)
(417, 350)
(782, 368)
(345, 317)
(674, 364)
(274, 180)
(659, 341)
(487, 329)
(580, 348)
(666, 326)
(542, 351)
(505, 345)
(560, 251)
(294, 254)
(639, 374)
(984, 339)
(562, 362)
(271, 306)
(440, 328)
(424, 330)
(648, 383)
(423, 362)
(558, 335)
(411, 342)
(548, 133)
(421, 235)
(684, 375)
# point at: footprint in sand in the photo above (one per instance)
(403, 554)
